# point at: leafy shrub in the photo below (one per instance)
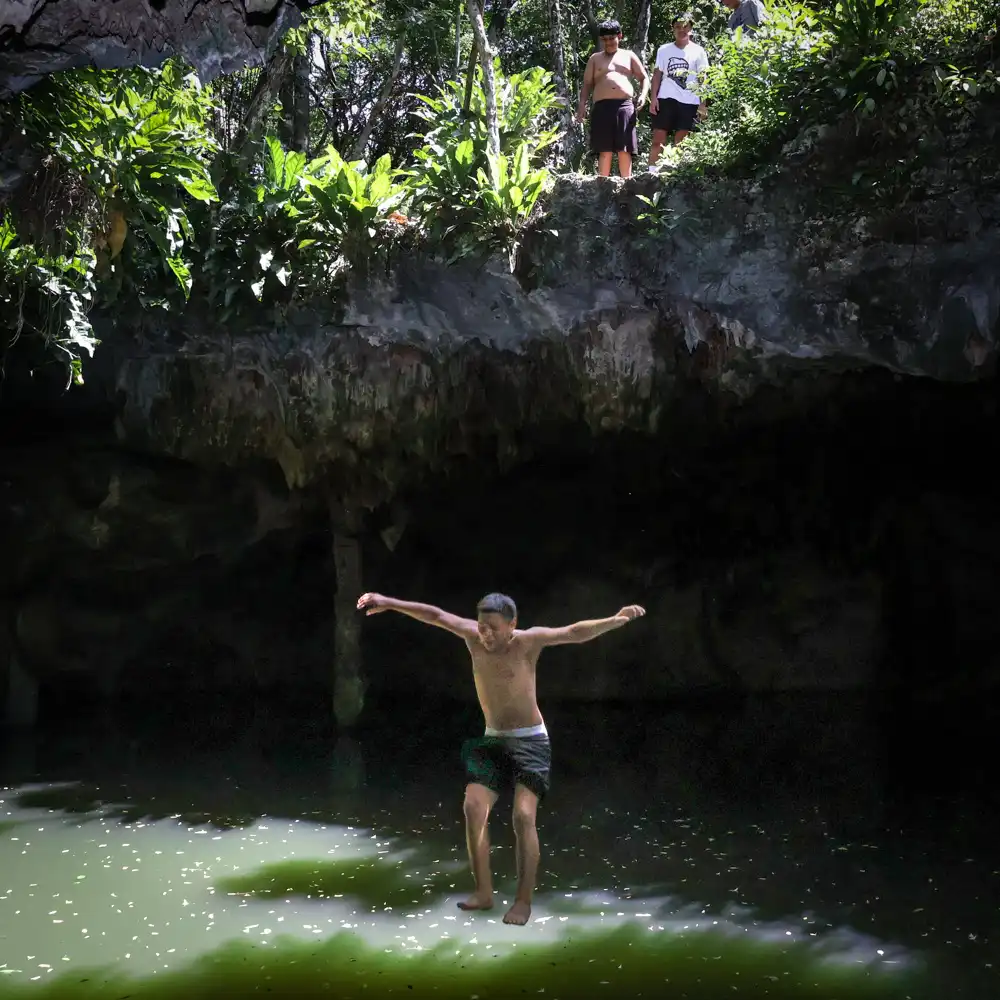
(466, 206)
(249, 240)
(527, 110)
(467, 198)
(123, 156)
(47, 294)
(139, 144)
(347, 206)
(805, 67)
(761, 87)
(864, 28)
(295, 226)
(507, 189)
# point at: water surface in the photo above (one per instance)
(786, 848)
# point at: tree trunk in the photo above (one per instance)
(263, 99)
(358, 152)
(640, 38)
(502, 10)
(559, 73)
(300, 105)
(348, 679)
(21, 702)
(498, 22)
(286, 98)
(470, 79)
(592, 22)
(489, 81)
(458, 38)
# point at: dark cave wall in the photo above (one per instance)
(852, 541)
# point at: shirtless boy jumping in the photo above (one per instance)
(515, 749)
(612, 120)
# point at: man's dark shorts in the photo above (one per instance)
(501, 762)
(675, 116)
(612, 127)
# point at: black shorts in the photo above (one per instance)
(675, 116)
(612, 126)
(501, 762)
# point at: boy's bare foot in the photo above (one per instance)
(519, 914)
(477, 901)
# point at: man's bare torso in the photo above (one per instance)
(505, 683)
(613, 75)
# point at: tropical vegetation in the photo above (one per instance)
(388, 124)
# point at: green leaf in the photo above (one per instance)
(199, 187)
(274, 162)
(181, 273)
(295, 163)
(7, 235)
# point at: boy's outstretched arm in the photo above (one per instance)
(373, 604)
(583, 631)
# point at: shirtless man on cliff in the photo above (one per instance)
(613, 118)
(515, 749)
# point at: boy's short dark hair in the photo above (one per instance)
(497, 604)
(608, 28)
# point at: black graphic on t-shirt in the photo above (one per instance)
(677, 70)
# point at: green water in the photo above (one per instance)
(172, 864)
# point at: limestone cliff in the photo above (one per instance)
(39, 37)
(605, 323)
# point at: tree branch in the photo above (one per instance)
(358, 152)
(489, 83)
(263, 99)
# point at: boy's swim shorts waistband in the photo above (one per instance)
(538, 730)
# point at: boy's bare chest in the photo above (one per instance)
(614, 65)
(501, 668)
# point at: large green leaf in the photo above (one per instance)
(180, 271)
(8, 237)
(199, 187)
(274, 161)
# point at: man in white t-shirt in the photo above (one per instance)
(676, 106)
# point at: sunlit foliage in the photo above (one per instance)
(145, 188)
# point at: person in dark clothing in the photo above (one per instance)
(746, 14)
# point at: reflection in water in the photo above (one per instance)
(90, 900)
